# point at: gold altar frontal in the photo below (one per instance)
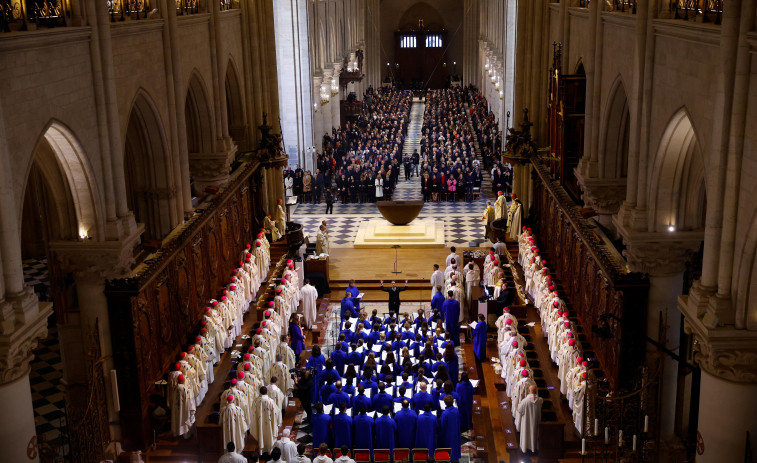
(379, 233)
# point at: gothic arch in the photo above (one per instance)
(746, 286)
(71, 191)
(677, 194)
(150, 188)
(420, 10)
(235, 105)
(198, 117)
(614, 142)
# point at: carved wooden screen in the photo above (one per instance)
(594, 278)
(155, 311)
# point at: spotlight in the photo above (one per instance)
(671, 228)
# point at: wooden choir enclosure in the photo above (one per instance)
(157, 309)
(609, 301)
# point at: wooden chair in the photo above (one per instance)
(441, 455)
(362, 456)
(382, 455)
(401, 455)
(420, 455)
(476, 193)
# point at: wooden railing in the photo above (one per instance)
(594, 277)
(624, 6)
(155, 310)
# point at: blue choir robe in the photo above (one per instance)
(342, 429)
(420, 399)
(355, 358)
(321, 424)
(326, 391)
(363, 426)
(453, 368)
(349, 335)
(449, 431)
(361, 399)
(406, 419)
(317, 364)
(381, 400)
(425, 432)
(436, 303)
(340, 360)
(386, 429)
(465, 391)
(479, 341)
(297, 342)
(348, 308)
(354, 291)
(338, 397)
(370, 384)
(348, 389)
(451, 309)
(330, 372)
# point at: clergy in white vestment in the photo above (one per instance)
(287, 447)
(529, 410)
(266, 422)
(579, 394)
(286, 352)
(233, 423)
(309, 298)
(472, 279)
(437, 279)
(276, 393)
(322, 241)
(182, 409)
(271, 228)
(281, 370)
(452, 255)
(281, 218)
(231, 456)
(499, 206)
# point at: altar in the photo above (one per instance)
(418, 233)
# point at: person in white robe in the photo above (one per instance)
(287, 447)
(579, 395)
(452, 255)
(529, 410)
(281, 218)
(266, 421)
(233, 423)
(231, 456)
(182, 409)
(309, 298)
(499, 206)
(472, 280)
(437, 279)
(276, 393)
(271, 227)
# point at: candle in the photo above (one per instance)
(596, 427)
(607, 435)
(620, 438)
(634, 443)
(646, 423)
(583, 446)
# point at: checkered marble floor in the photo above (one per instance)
(48, 394)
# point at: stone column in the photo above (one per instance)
(605, 196)
(335, 111)
(16, 344)
(317, 114)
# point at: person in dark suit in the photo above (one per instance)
(394, 296)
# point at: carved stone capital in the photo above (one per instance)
(101, 259)
(724, 352)
(659, 254)
(16, 347)
(603, 195)
(212, 168)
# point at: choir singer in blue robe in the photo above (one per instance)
(425, 430)
(363, 425)
(352, 289)
(406, 420)
(479, 339)
(342, 427)
(449, 429)
(465, 392)
(451, 311)
(386, 430)
(348, 308)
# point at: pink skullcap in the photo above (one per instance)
(533, 259)
(579, 359)
(233, 279)
(250, 348)
(248, 246)
(183, 355)
(583, 375)
(260, 235)
(551, 288)
(177, 366)
(223, 298)
(571, 342)
(570, 334)
(533, 248)
(278, 291)
(524, 373)
(530, 240)
(257, 244)
(257, 330)
(234, 381)
(509, 321)
(524, 227)
(270, 304)
(198, 338)
(240, 375)
(267, 313)
(233, 287)
(214, 303)
(248, 254)
(556, 293)
(291, 266)
(230, 398)
(247, 366)
(289, 261)
(247, 356)
(247, 259)
(585, 363)
(499, 192)
(207, 309)
(521, 354)
(567, 324)
(204, 330)
(515, 343)
(263, 323)
(191, 348)
(522, 363)
(529, 228)
(496, 263)
(506, 309)
(241, 264)
(287, 276)
(556, 304)
(559, 312)
(491, 252)
(181, 378)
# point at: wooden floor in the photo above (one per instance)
(378, 264)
